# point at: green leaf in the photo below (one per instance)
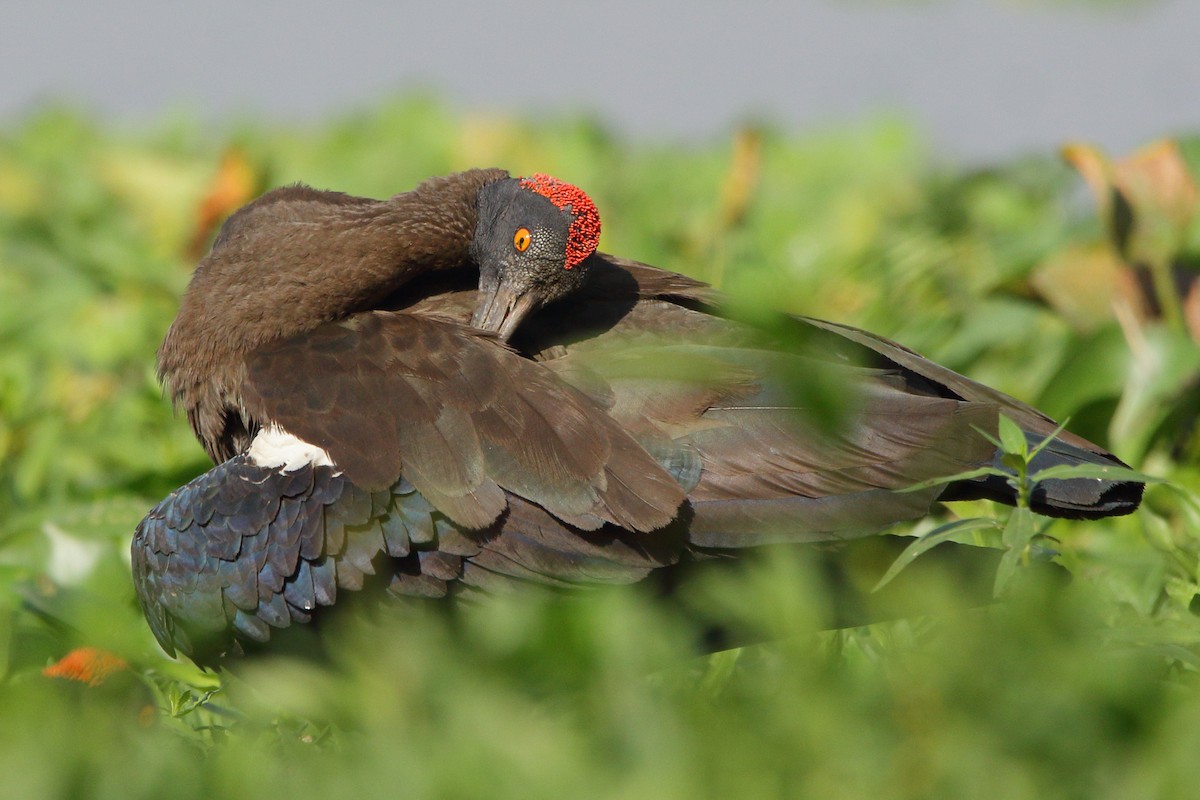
(1012, 438)
(942, 533)
(1092, 369)
(1097, 471)
(987, 436)
(1014, 461)
(1163, 372)
(958, 476)
(1018, 533)
(1044, 443)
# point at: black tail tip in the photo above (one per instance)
(1086, 498)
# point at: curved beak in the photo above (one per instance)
(501, 310)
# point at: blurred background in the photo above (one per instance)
(1010, 188)
(982, 79)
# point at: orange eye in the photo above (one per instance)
(521, 239)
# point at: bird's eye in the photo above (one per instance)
(521, 239)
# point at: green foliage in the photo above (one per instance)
(1080, 690)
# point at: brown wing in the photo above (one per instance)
(460, 417)
(950, 384)
(732, 404)
(692, 386)
(915, 419)
(532, 545)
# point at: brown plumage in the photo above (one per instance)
(291, 260)
(629, 427)
(459, 417)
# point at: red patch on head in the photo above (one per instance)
(584, 234)
(88, 665)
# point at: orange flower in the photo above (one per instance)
(88, 665)
(236, 182)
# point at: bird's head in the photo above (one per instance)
(532, 244)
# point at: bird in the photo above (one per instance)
(453, 390)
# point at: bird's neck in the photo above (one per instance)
(297, 258)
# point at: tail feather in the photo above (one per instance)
(1066, 498)
(1082, 498)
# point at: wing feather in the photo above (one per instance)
(461, 418)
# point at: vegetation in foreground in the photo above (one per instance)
(1084, 304)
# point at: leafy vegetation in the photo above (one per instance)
(1011, 275)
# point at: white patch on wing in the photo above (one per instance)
(275, 448)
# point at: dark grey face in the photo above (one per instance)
(520, 246)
